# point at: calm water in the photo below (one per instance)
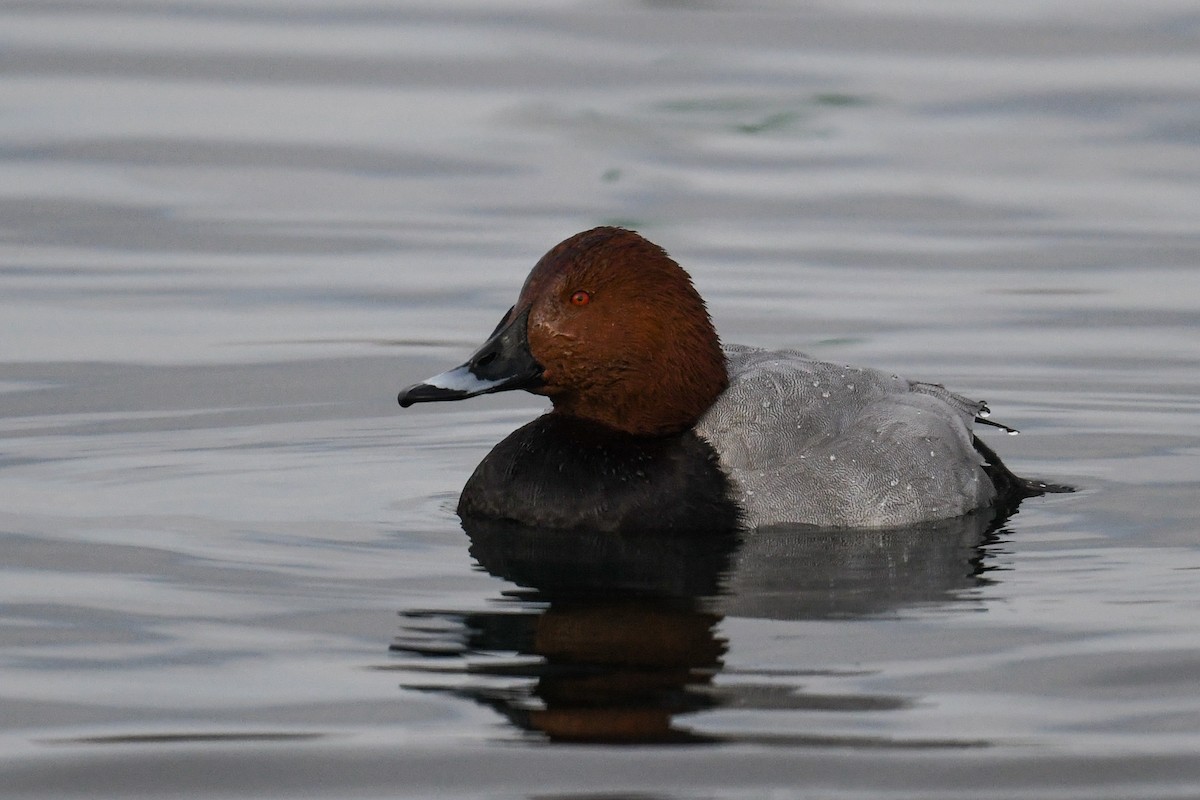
(230, 232)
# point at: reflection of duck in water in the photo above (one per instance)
(605, 671)
(617, 627)
(616, 637)
(656, 426)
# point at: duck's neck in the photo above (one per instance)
(666, 399)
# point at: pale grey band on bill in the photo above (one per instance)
(461, 379)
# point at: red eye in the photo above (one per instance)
(581, 298)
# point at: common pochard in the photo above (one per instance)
(655, 425)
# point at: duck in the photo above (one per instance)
(656, 425)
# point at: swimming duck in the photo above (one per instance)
(655, 425)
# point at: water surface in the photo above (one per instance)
(229, 233)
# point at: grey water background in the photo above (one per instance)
(230, 232)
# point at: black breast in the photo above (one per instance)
(562, 472)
